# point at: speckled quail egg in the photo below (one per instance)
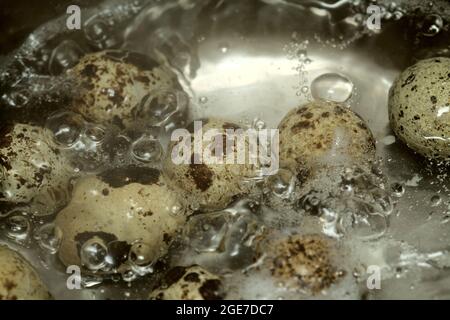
(211, 186)
(419, 107)
(114, 82)
(189, 283)
(18, 280)
(31, 165)
(303, 262)
(111, 211)
(322, 134)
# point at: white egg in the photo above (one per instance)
(419, 107)
(110, 212)
(18, 280)
(32, 167)
(113, 83)
(189, 283)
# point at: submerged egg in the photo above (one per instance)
(32, 166)
(322, 134)
(189, 283)
(303, 262)
(419, 107)
(18, 280)
(109, 212)
(114, 82)
(211, 185)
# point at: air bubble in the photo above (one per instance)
(99, 32)
(435, 200)
(166, 109)
(282, 184)
(146, 149)
(93, 254)
(332, 87)
(64, 56)
(49, 237)
(431, 25)
(66, 128)
(17, 226)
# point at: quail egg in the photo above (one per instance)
(189, 283)
(114, 82)
(108, 213)
(419, 107)
(303, 262)
(322, 134)
(18, 280)
(31, 165)
(212, 185)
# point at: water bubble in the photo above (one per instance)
(224, 47)
(282, 184)
(17, 226)
(19, 98)
(120, 145)
(95, 133)
(332, 87)
(207, 231)
(49, 237)
(258, 124)
(64, 56)
(99, 33)
(146, 149)
(141, 258)
(436, 200)
(203, 100)
(398, 189)
(431, 25)
(93, 254)
(66, 127)
(165, 109)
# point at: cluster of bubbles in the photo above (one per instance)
(224, 237)
(93, 146)
(298, 51)
(358, 204)
(21, 227)
(117, 258)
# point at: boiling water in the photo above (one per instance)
(250, 62)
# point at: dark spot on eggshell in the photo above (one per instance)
(202, 175)
(211, 290)
(119, 177)
(192, 277)
(174, 275)
(89, 71)
(5, 134)
(408, 80)
(229, 125)
(305, 124)
(167, 238)
(433, 99)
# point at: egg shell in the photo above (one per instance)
(31, 165)
(119, 206)
(321, 134)
(189, 283)
(18, 280)
(303, 262)
(212, 186)
(419, 107)
(113, 82)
